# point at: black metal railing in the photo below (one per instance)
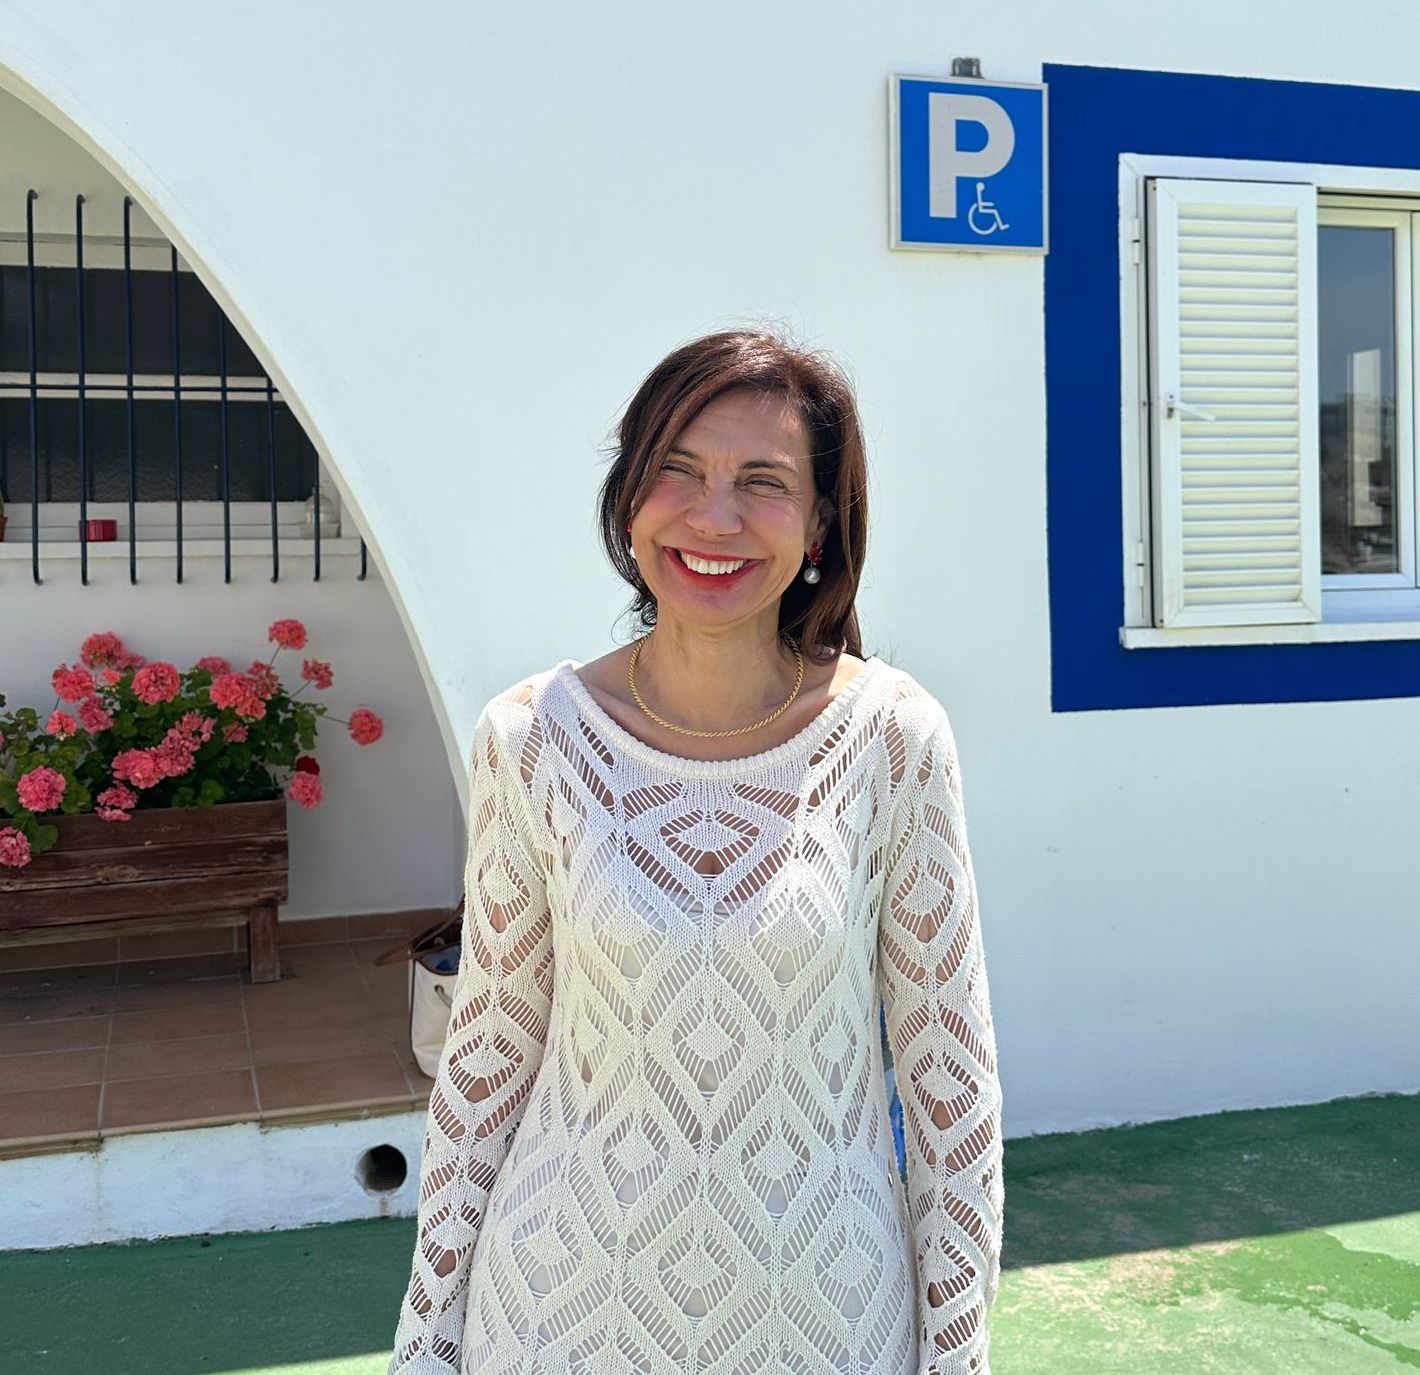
(224, 389)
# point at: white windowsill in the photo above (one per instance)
(205, 547)
(1320, 632)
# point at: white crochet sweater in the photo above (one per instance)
(658, 1140)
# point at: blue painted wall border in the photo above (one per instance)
(1096, 113)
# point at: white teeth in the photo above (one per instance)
(705, 566)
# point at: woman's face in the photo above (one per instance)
(736, 485)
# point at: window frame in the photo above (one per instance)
(1343, 211)
(155, 521)
(1349, 611)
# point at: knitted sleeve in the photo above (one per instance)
(932, 975)
(497, 1035)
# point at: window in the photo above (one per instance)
(199, 399)
(1365, 287)
(1270, 453)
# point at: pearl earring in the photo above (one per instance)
(811, 573)
(629, 549)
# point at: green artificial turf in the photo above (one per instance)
(1281, 1240)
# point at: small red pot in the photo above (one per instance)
(99, 529)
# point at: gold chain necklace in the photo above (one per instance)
(670, 725)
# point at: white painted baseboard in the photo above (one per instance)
(244, 1177)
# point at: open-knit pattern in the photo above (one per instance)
(658, 1140)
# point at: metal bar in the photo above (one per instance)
(271, 477)
(132, 430)
(34, 389)
(83, 431)
(177, 406)
(226, 483)
(315, 489)
(5, 484)
(120, 386)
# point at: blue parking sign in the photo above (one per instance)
(968, 164)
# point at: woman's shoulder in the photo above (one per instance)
(514, 706)
(908, 698)
(913, 715)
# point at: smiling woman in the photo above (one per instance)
(768, 436)
(710, 476)
(659, 1136)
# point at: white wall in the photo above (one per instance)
(461, 237)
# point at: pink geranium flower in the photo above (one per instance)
(317, 671)
(289, 634)
(102, 649)
(266, 679)
(14, 848)
(60, 723)
(41, 789)
(115, 803)
(139, 768)
(176, 753)
(73, 684)
(214, 664)
(195, 723)
(157, 682)
(173, 754)
(94, 716)
(238, 691)
(105, 650)
(234, 733)
(305, 788)
(111, 676)
(365, 727)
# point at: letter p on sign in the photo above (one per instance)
(947, 162)
(967, 164)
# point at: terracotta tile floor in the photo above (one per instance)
(99, 1050)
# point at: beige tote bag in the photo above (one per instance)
(433, 957)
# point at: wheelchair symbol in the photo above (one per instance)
(989, 217)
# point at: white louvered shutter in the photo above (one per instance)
(1233, 409)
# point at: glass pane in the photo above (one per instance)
(107, 444)
(105, 313)
(1356, 326)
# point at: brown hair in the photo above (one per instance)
(820, 618)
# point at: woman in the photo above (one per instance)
(658, 1140)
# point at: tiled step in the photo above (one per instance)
(94, 1051)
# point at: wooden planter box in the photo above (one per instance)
(169, 862)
